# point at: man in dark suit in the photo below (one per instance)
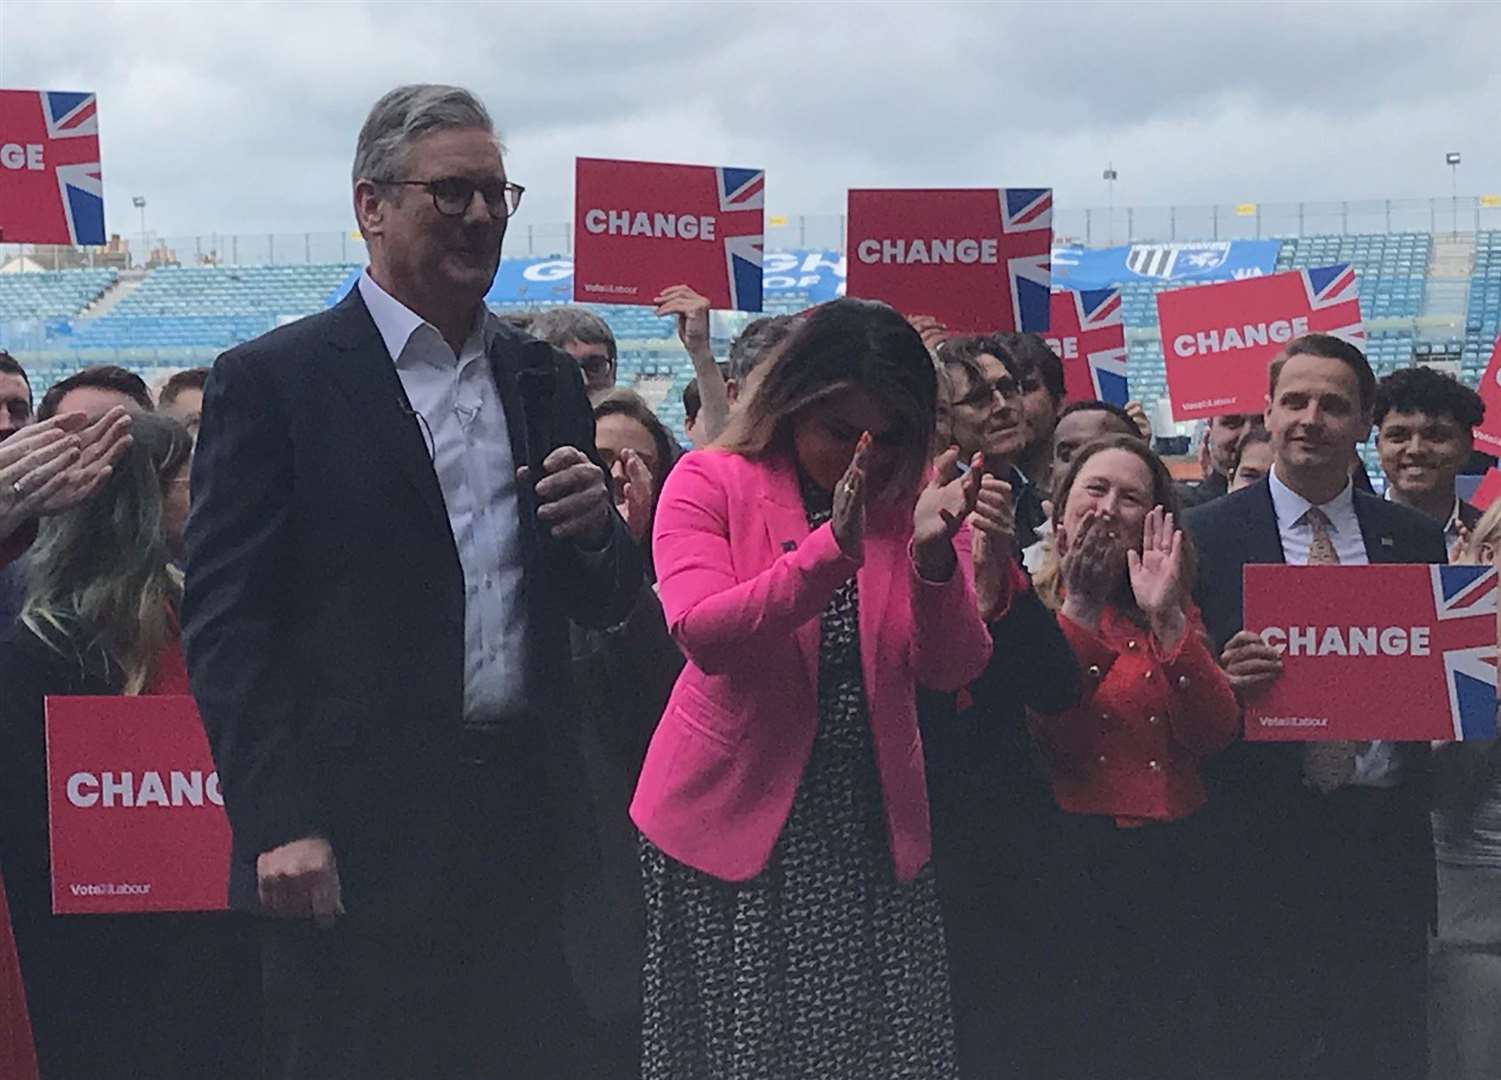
(398, 509)
(1328, 861)
(1425, 422)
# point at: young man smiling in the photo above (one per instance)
(1424, 425)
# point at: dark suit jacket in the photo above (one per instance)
(324, 610)
(1257, 785)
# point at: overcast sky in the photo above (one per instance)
(242, 117)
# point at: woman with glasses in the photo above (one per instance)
(132, 995)
(814, 570)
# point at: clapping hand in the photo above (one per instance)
(848, 521)
(57, 464)
(941, 511)
(633, 486)
(1092, 569)
(1156, 574)
(994, 524)
(573, 501)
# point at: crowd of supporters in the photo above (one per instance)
(912, 750)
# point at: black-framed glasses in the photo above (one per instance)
(452, 195)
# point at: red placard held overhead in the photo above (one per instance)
(51, 191)
(1488, 434)
(1219, 339)
(1089, 337)
(138, 823)
(977, 259)
(641, 227)
(1374, 652)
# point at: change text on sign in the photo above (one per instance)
(929, 252)
(17, 156)
(656, 225)
(1276, 332)
(1349, 641)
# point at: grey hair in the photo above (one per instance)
(560, 325)
(757, 342)
(404, 115)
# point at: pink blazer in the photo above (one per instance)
(743, 584)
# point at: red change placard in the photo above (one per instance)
(641, 227)
(1219, 339)
(976, 259)
(138, 822)
(51, 190)
(1488, 434)
(1397, 652)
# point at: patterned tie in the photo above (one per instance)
(1326, 765)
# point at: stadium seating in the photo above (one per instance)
(179, 316)
(52, 294)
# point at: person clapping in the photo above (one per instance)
(1125, 763)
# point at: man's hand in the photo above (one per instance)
(633, 485)
(1250, 663)
(300, 880)
(932, 332)
(692, 311)
(57, 464)
(573, 498)
(1139, 417)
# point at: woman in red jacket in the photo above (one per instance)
(1125, 762)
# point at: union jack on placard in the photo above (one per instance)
(57, 196)
(741, 200)
(1102, 342)
(1334, 302)
(1464, 631)
(1026, 245)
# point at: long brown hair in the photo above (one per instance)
(101, 586)
(1048, 580)
(845, 343)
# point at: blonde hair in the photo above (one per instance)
(101, 586)
(1487, 532)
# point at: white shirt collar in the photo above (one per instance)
(1290, 506)
(397, 323)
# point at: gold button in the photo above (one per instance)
(1182, 682)
(1131, 644)
(1104, 718)
(1154, 719)
(1149, 673)
(1102, 759)
(1154, 766)
(1094, 671)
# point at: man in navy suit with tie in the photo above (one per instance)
(1325, 848)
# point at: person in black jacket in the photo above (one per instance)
(170, 996)
(398, 511)
(1001, 880)
(1327, 872)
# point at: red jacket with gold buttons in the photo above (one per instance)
(1132, 747)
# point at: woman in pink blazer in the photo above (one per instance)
(812, 576)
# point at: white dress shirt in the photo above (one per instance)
(1377, 765)
(464, 426)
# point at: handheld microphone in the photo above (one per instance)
(536, 382)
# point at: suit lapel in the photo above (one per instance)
(363, 371)
(1263, 537)
(1380, 544)
(786, 523)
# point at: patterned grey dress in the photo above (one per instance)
(822, 967)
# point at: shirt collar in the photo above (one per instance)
(1290, 507)
(397, 323)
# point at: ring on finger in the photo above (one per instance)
(17, 489)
